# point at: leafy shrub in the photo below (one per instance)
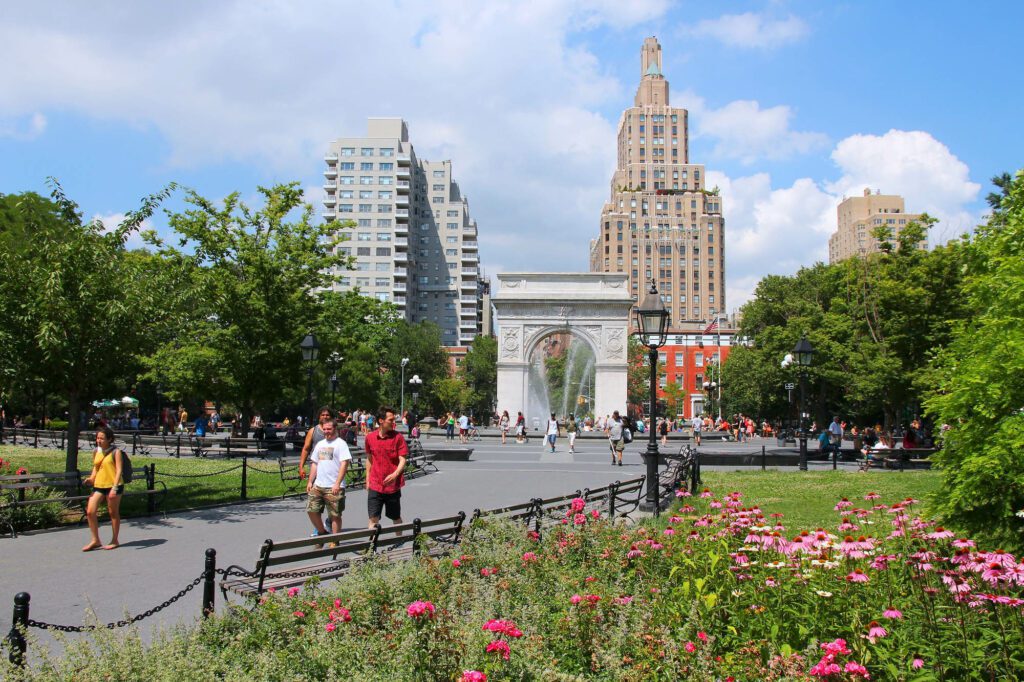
(718, 590)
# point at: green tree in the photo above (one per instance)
(74, 305)
(451, 393)
(638, 375)
(980, 386)
(253, 278)
(421, 343)
(479, 370)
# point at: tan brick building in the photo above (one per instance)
(858, 216)
(661, 221)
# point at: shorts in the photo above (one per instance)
(319, 499)
(390, 503)
(119, 490)
(463, 432)
(618, 445)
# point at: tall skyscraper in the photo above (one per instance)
(414, 242)
(857, 217)
(661, 221)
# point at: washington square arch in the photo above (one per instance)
(562, 343)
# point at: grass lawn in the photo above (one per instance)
(808, 499)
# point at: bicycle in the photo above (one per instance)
(474, 434)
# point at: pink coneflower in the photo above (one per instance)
(499, 647)
(1000, 557)
(657, 545)
(963, 543)
(993, 573)
(872, 496)
(857, 576)
(939, 533)
(843, 504)
(876, 631)
(634, 553)
(893, 613)
(705, 493)
(675, 519)
(715, 504)
(917, 663)
(298, 614)
(669, 531)
(683, 493)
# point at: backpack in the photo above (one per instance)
(127, 472)
(627, 435)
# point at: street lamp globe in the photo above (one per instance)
(804, 352)
(310, 348)
(652, 319)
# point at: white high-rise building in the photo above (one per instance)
(414, 242)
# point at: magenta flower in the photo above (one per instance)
(499, 647)
(623, 601)
(917, 663)
(702, 636)
(578, 504)
(857, 669)
(473, 676)
(299, 614)
(857, 576)
(579, 519)
(529, 556)
(330, 627)
(690, 647)
(705, 493)
(456, 563)
(683, 493)
(293, 591)
(575, 599)
(843, 504)
(872, 496)
(876, 631)
(504, 627)
(420, 609)
(893, 612)
(669, 531)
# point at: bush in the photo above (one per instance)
(720, 590)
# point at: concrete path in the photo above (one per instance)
(160, 555)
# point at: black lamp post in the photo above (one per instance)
(310, 352)
(335, 362)
(803, 354)
(652, 330)
(415, 382)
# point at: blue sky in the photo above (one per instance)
(792, 105)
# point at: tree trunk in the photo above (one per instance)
(74, 405)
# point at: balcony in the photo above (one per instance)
(401, 272)
(402, 229)
(467, 324)
(403, 186)
(403, 159)
(329, 186)
(470, 246)
(402, 242)
(468, 285)
(401, 257)
(469, 299)
(400, 301)
(330, 213)
(402, 213)
(330, 201)
(331, 158)
(470, 271)
(399, 287)
(402, 173)
(467, 312)
(401, 200)
(470, 258)
(331, 173)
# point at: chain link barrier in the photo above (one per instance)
(272, 472)
(215, 473)
(120, 623)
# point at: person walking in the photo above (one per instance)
(551, 432)
(835, 434)
(663, 431)
(386, 455)
(571, 428)
(503, 424)
(449, 426)
(698, 426)
(520, 428)
(325, 489)
(106, 480)
(613, 429)
(463, 428)
(313, 437)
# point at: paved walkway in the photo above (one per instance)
(160, 555)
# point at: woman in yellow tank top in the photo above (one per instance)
(106, 481)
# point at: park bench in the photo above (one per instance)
(524, 512)
(291, 563)
(419, 461)
(896, 458)
(289, 471)
(205, 446)
(15, 489)
(624, 497)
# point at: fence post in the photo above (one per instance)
(695, 472)
(764, 459)
(19, 623)
(209, 573)
(417, 528)
(35, 438)
(245, 477)
(135, 440)
(150, 485)
(177, 450)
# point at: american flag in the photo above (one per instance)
(711, 327)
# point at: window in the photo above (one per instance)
(347, 165)
(424, 280)
(344, 208)
(384, 222)
(363, 222)
(453, 214)
(679, 359)
(387, 151)
(387, 166)
(698, 359)
(348, 151)
(362, 281)
(365, 194)
(365, 208)
(364, 236)
(383, 208)
(345, 281)
(438, 188)
(345, 194)
(451, 240)
(451, 252)
(384, 180)
(363, 251)
(439, 174)
(453, 266)
(362, 266)
(365, 179)
(365, 166)
(437, 200)
(453, 226)
(384, 236)
(383, 296)
(366, 151)
(346, 180)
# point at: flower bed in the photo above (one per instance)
(716, 591)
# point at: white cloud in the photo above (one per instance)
(747, 132)
(113, 220)
(23, 128)
(778, 230)
(750, 30)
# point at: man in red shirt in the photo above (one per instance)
(386, 453)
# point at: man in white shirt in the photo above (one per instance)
(835, 433)
(698, 426)
(552, 431)
(326, 486)
(464, 428)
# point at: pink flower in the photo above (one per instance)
(579, 519)
(690, 647)
(939, 533)
(683, 493)
(420, 609)
(857, 576)
(578, 504)
(293, 591)
(22, 471)
(529, 556)
(623, 601)
(505, 627)
(456, 563)
(917, 663)
(473, 676)
(702, 636)
(705, 493)
(876, 631)
(594, 514)
(892, 612)
(634, 553)
(499, 647)
(857, 669)
(843, 504)
(836, 647)
(340, 613)
(330, 627)
(575, 599)
(669, 531)
(299, 614)
(872, 496)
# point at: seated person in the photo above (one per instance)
(823, 441)
(909, 439)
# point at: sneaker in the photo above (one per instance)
(620, 462)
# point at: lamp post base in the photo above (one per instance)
(803, 451)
